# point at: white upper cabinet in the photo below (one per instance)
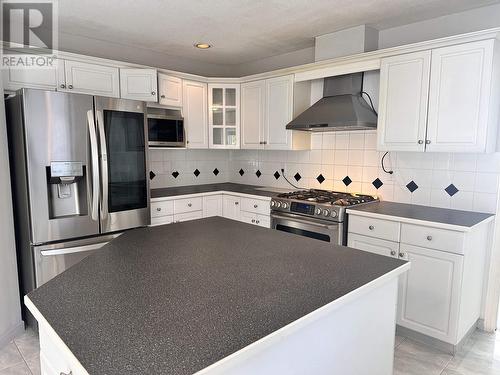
(279, 112)
(253, 96)
(460, 100)
(169, 90)
(443, 100)
(139, 84)
(224, 115)
(85, 78)
(14, 79)
(194, 109)
(266, 108)
(404, 88)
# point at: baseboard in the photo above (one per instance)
(13, 332)
(436, 343)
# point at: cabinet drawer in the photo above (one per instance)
(384, 229)
(162, 208)
(168, 219)
(433, 238)
(186, 216)
(188, 205)
(373, 245)
(255, 205)
(263, 221)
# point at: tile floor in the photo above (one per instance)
(480, 356)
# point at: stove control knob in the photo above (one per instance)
(334, 214)
(284, 205)
(326, 212)
(278, 204)
(318, 211)
(273, 203)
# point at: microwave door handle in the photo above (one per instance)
(94, 158)
(104, 165)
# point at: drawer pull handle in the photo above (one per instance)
(70, 86)
(371, 227)
(253, 220)
(67, 373)
(158, 209)
(429, 238)
(190, 204)
(257, 221)
(236, 203)
(163, 96)
(402, 255)
(393, 252)
(255, 206)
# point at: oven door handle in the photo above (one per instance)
(311, 222)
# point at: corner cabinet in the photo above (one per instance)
(442, 100)
(139, 84)
(224, 115)
(194, 110)
(85, 78)
(266, 109)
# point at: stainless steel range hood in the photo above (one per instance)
(341, 108)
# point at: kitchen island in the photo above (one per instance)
(217, 296)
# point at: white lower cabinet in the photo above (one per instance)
(212, 205)
(231, 209)
(255, 219)
(440, 296)
(429, 292)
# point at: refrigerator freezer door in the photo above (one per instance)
(122, 130)
(58, 164)
(51, 260)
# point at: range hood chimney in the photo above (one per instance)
(343, 106)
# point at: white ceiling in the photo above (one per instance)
(239, 30)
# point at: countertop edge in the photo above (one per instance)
(215, 192)
(310, 317)
(54, 336)
(435, 224)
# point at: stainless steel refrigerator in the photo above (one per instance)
(78, 166)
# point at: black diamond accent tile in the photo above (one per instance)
(377, 183)
(320, 178)
(412, 186)
(196, 172)
(216, 171)
(152, 175)
(241, 172)
(175, 174)
(346, 180)
(297, 176)
(276, 175)
(258, 174)
(451, 190)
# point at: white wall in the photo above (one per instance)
(10, 309)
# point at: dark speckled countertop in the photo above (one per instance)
(176, 298)
(459, 218)
(207, 188)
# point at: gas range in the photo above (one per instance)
(318, 204)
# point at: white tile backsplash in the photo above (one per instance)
(337, 155)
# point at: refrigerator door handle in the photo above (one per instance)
(94, 157)
(72, 250)
(104, 165)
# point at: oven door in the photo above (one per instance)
(308, 227)
(166, 131)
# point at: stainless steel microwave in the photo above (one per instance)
(166, 131)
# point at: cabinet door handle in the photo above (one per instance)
(371, 227)
(429, 238)
(253, 220)
(190, 204)
(158, 209)
(66, 373)
(427, 141)
(420, 142)
(70, 87)
(162, 96)
(153, 93)
(255, 206)
(236, 203)
(402, 255)
(63, 86)
(257, 221)
(393, 252)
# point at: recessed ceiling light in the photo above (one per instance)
(202, 45)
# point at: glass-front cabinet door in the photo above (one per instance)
(224, 115)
